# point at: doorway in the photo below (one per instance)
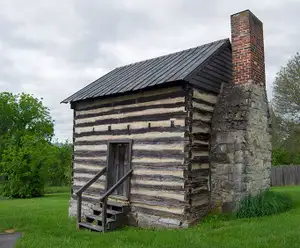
(119, 163)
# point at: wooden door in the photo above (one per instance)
(118, 165)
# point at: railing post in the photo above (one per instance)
(104, 213)
(79, 200)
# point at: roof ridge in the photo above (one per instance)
(173, 53)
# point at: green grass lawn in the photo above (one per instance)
(44, 222)
(57, 189)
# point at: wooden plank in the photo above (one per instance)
(121, 115)
(134, 98)
(285, 175)
(129, 110)
(146, 141)
(157, 200)
(150, 117)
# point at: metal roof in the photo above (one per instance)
(147, 73)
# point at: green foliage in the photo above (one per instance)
(287, 90)
(285, 114)
(283, 156)
(264, 204)
(60, 170)
(26, 167)
(26, 129)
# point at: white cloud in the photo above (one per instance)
(54, 48)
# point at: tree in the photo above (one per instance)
(285, 114)
(60, 170)
(277, 129)
(26, 130)
(287, 90)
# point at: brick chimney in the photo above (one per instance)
(247, 49)
(240, 147)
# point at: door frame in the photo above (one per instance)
(126, 183)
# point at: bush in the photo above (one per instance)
(60, 170)
(26, 130)
(283, 156)
(25, 168)
(266, 203)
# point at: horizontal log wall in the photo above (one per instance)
(155, 121)
(201, 109)
(207, 81)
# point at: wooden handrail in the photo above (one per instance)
(83, 188)
(113, 188)
(89, 183)
(103, 198)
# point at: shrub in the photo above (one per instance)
(266, 203)
(26, 129)
(60, 170)
(25, 168)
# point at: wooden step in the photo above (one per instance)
(109, 211)
(117, 204)
(99, 218)
(90, 226)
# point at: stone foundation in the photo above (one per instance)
(152, 221)
(86, 208)
(240, 145)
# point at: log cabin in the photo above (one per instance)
(161, 142)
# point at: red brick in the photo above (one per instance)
(247, 48)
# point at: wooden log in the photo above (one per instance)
(206, 97)
(168, 166)
(137, 114)
(150, 117)
(132, 99)
(125, 109)
(175, 154)
(159, 177)
(168, 213)
(147, 140)
(89, 153)
(175, 188)
(146, 131)
(157, 201)
(158, 102)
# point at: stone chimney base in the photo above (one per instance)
(240, 145)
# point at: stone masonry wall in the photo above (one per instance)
(240, 145)
(86, 208)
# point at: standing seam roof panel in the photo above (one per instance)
(143, 74)
(145, 71)
(193, 64)
(166, 67)
(170, 70)
(187, 64)
(125, 74)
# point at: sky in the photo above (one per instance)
(54, 48)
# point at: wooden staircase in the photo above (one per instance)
(108, 215)
(116, 217)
